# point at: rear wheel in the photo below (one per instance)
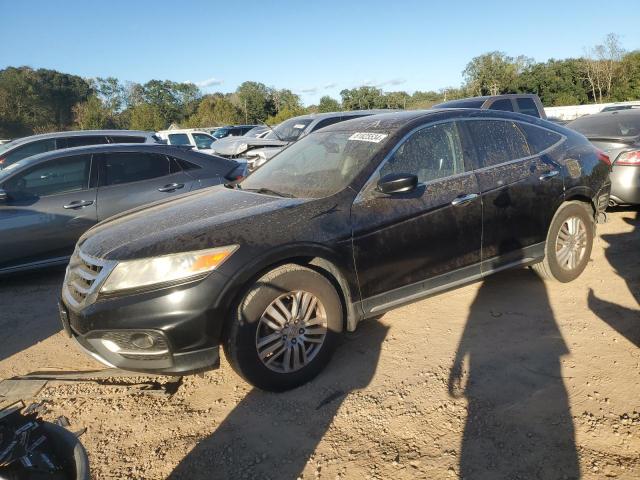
(285, 328)
(569, 243)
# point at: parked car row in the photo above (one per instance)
(348, 222)
(48, 200)
(257, 151)
(20, 148)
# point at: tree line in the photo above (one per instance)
(41, 100)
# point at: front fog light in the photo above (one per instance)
(142, 340)
(132, 342)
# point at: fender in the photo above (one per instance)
(304, 253)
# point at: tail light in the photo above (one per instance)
(604, 158)
(1, 161)
(629, 158)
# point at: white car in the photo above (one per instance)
(198, 139)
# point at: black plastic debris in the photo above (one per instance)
(31, 448)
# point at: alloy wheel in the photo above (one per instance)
(291, 331)
(571, 243)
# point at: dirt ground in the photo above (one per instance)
(511, 378)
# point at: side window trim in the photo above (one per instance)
(481, 167)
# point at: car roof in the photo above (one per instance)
(627, 112)
(82, 133)
(118, 147)
(483, 99)
(406, 119)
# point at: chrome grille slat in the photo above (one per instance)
(84, 276)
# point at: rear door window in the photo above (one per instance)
(497, 141)
(62, 175)
(539, 139)
(527, 106)
(430, 153)
(503, 104)
(179, 139)
(127, 167)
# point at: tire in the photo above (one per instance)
(258, 336)
(558, 264)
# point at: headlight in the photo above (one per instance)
(166, 269)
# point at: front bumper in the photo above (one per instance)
(625, 184)
(183, 319)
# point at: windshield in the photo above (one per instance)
(290, 130)
(319, 165)
(220, 133)
(614, 125)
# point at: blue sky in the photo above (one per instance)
(313, 48)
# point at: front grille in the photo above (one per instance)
(84, 275)
(81, 278)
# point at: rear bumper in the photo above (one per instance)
(625, 184)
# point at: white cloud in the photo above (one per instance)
(386, 83)
(309, 91)
(329, 86)
(209, 82)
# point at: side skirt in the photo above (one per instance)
(384, 302)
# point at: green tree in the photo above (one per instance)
(362, 98)
(556, 82)
(255, 101)
(285, 114)
(328, 104)
(215, 110)
(146, 116)
(627, 85)
(494, 73)
(38, 100)
(92, 115)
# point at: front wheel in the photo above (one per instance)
(569, 243)
(285, 328)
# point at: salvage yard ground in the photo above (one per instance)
(509, 378)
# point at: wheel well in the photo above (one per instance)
(321, 265)
(583, 199)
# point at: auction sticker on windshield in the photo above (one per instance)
(299, 126)
(368, 137)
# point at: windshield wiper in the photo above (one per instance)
(268, 191)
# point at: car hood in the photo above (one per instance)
(212, 217)
(232, 146)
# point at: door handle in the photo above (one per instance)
(172, 187)
(78, 204)
(464, 199)
(546, 176)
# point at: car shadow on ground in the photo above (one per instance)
(28, 309)
(273, 435)
(622, 254)
(508, 367)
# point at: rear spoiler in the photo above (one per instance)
(611, 138)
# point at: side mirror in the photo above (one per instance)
(3, 196)
(397, 183)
